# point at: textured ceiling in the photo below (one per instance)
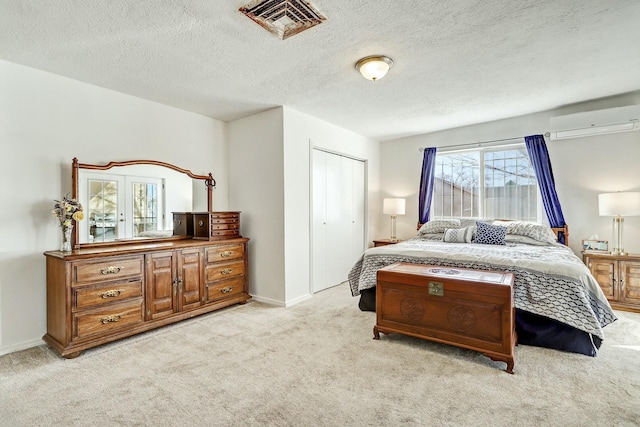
(456, 62)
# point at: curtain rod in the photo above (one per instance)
(479, 144)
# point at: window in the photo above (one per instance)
(486, 183)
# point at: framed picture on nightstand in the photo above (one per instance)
(595, 245)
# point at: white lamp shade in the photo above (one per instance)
(619, 204)
(393, 206)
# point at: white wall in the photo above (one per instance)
(256, 176)
(45, 121)
(269, 170)
(582, 167)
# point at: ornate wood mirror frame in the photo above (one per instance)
(208, 180)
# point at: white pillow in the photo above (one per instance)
(459, 235)
(539, 232)
(438, 226)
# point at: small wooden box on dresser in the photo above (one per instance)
(99, 295)
(216, 225)
(618, 276)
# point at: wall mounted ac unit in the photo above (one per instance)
(611, 120)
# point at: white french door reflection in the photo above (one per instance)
(118, 207)
(143, 209)
(338, 217)
(103, 203)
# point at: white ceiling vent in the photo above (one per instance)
(284, 18)
(599, 122)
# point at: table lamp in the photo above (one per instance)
(393, 207)
(619, 205)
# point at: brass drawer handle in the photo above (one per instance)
(111, 293)
(226, 254)
(111, 319)
(226, 289)
(227, 271)
(111, 270)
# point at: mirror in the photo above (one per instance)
(135, 200)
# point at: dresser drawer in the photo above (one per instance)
(225, 226)
(224, 253)
(224, 289)
(90, 296)
(105, 320)
(107, 269)
(224, 271)
(227, 234)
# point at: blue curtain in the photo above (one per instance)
(426, 184)
(539, 157)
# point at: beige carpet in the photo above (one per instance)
(317, 364)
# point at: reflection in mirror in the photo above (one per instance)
(135, 200)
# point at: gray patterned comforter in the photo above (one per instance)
(550, 281)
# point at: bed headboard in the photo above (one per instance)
(564, 230)
(557, 230)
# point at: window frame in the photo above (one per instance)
(540, 217)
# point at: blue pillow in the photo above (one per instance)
(488, 234)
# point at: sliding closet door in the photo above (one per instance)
(319, 230)
(338, 217)
(357, 211)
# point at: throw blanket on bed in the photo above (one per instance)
(550, 280)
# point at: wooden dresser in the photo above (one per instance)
(99, 295)
(618, 276)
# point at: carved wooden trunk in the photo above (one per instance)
(462, 307)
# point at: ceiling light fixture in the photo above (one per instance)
(374, 67)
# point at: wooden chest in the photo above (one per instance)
(467, 308)
(216, 225)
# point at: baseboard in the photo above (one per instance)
(20, 346)
(267, 301)
(298, 300)
(280, 303)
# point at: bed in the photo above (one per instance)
(559, 304)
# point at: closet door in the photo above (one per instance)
(357, 212)
(339, 207)
(338, 217)
(319, 238)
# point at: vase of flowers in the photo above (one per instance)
(67, 211)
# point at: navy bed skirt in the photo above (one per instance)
(532, 329)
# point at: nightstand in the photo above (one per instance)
(618, 276)
(384, 242)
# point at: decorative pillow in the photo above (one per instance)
(438, 226)
(459, 235)
(539, 232)
(488, 234)
(471, 222)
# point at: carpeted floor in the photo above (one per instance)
(317, 364)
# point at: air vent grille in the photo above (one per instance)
(284, 18)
